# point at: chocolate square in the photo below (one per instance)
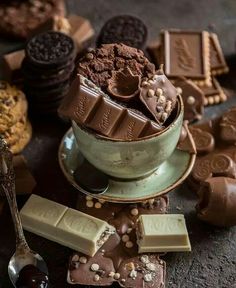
(186, 54)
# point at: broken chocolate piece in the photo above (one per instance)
(89, 107)
(228, 126)
(159, 96)
(217, 201)
(12, 65)
(193, 99)
(186, 53)
(217, 59)
(123, 85)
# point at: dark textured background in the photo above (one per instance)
(212, 262)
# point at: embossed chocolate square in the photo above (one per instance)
(187, 54)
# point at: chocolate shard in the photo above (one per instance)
(217, 201)
(193, 99)
(89, 107)
(123, 85)
(159, 96)
(217, 59)
(228, 126)
(187, 54)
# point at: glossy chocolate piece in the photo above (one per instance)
(217, 201)
(228, 126)
(159, 96)
(123, 85)
(193, 99)
(217, 59)
(213, 94)
(186, 53)
(31, 277)
(89, 107)
(204, 141)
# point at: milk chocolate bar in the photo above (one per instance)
(88, 106)
(217, 59)
(162, 233)
(65, 226)
(187, 54)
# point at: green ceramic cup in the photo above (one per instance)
(130, 159)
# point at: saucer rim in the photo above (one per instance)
(102, 196)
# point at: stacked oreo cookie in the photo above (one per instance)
(47, 67)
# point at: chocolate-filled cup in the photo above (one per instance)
(217, 201)
(130, 159)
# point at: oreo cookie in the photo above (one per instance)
(47, 68)
(124, 29)
(50, 49)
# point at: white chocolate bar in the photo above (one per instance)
(64, 225)
(162, 233)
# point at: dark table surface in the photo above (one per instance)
(212, 262)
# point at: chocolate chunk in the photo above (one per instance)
(125, 29)
(186, 53)
(204, 141)
(217, 201)
(50, 49)
(213, 94)
(193, 99)
(25, 182)
(217, 59)
(123, 85)
(12, 64)
(228, 126)
(89, 107)
(98, 64)
(159, 96)
(31, 277)
(155, 51)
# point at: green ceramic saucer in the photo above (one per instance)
(168, 176)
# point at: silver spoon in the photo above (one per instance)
(23, 255)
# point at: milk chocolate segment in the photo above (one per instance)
(88, 106)
(162, 233)
(186, 53)
(65, 226)
(217, 201)
(217, 59)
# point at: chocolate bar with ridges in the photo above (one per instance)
(89, 107)
(187, 54)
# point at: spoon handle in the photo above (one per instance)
(7, 181)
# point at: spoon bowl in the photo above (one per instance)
(20, 260)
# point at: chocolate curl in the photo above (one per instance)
(217, 201)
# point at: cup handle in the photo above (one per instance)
(186, 142)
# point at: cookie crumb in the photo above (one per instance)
(147, 277)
